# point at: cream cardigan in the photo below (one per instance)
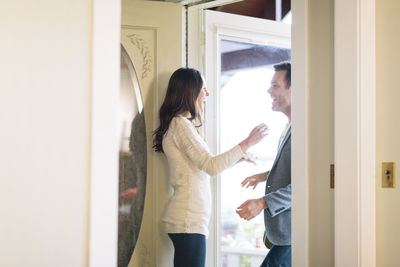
(190, 164)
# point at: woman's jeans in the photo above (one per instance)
(190, 250)
(278, 256)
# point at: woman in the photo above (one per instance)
(190, 163)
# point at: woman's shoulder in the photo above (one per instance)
(180, 120)
(176, 124)
(182, 125)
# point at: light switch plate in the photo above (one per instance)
(387, 174)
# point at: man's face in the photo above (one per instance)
(280, 95)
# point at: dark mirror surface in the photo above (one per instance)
(132, 161)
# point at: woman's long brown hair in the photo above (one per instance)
(183, 89)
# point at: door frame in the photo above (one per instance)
(103, 170)
(299, 54)
(300, 207)
(355, 133)
(300, 140)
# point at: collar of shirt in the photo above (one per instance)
(284, 133)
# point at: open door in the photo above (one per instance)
(239, 54)
(151, 33)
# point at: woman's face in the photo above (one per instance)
(202, 96)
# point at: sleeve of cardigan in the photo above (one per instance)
(191, 144)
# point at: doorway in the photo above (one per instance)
(239, 54)
(244, 103)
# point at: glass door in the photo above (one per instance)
(240, 54)
(245, 75)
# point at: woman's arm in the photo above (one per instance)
(255, 136)
(191, 144)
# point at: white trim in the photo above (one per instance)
(368, 134)
(211, 67)
(210, 4)
(355, 111)
(300, 142)
(195, 38)
(103, 224)
(278, 10)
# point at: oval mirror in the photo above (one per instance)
(132, 161)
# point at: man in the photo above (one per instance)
(278, 192)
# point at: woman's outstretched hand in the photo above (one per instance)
(248, 157)
(254, 180)
(255, 136)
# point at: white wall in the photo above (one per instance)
(321, 118)
(44, 137)
(388, 130)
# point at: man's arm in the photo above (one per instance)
(279, 201)
(255, 180)
(251, 208)
(275, 203)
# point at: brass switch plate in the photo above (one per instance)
(388, 174)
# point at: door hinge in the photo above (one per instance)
(332, 175)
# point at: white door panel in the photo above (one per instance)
(220, 26)
(151, 33)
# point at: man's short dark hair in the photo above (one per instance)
(285, 65)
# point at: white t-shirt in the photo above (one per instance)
(190, 164)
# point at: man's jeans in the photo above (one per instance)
(278, 256)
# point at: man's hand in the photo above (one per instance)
(251, 208)
(254, 180)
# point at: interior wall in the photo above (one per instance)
(44, 137)
(387, 130)
(321, 130)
